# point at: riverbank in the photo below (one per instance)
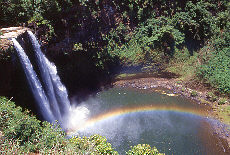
(197, 94)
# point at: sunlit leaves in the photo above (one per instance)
(141, 149)
(217, 70)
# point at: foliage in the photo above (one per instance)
(223, 112)
(156, 37)
(211, 96)
(146, 42)
(141, 149)
(193, 93)
(95, 144)
(181, 56)
(10, 146)
(201, 19)
(184, 64)
(215, 67)
(222, 40)
(5, 50)
(38, 21)
(134, 32)
(216, 70)
(222, 101)
(14, 12)
(29, 133)
(183, 89)
(77, 47)
(21, 133)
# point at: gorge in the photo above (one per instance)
(125, 116)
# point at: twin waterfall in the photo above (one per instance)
(50, 94)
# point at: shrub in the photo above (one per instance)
(181, 56)
(183, 89)
(203, 101)
(38, 21)
(26, 130)
(141, 149)
(95, 144)
(193, 93)
(216, 70)
(211, 96)
(222, 101)
(152, 41)
(13, 12)
(10, 146)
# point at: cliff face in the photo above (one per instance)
(7, 69)
(12, 79)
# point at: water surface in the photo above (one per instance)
(127, 117)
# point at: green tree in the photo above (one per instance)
(141, 149)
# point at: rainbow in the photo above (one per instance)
(133, 109)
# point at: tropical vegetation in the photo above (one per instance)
(190, 38)
(133, 32)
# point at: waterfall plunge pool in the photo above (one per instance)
(127, 117)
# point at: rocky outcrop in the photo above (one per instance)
(6, 34)
(12, 32)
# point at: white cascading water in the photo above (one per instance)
(59, 88)
(55, 90)
(53, 99)
(34, 83)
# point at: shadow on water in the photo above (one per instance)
(131, 76)
(127, 117)
(148, 71)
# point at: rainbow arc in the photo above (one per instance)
(135, 109)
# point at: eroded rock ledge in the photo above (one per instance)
(6, 34)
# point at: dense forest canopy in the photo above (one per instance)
(133, 32)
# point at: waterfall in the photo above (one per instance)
(50, 94)
(34, 83)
